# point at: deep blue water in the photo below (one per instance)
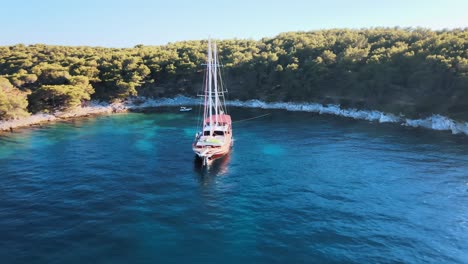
(297, 188)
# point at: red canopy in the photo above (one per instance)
(221, 119)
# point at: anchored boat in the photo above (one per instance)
(214, 138)
(185, 109)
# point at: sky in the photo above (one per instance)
(119, 23)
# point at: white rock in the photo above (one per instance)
(435, 122)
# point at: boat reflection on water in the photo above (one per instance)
(219, 167)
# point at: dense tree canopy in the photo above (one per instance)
(396, 70)
(13, 102)
(62, 96)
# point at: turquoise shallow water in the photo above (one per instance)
(297, 188)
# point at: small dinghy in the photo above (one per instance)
(185, 109)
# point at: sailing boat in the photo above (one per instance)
(215, 138)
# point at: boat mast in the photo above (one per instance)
(215, 74)
(210, 76)
(205, 103)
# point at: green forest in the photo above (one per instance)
(414, 71)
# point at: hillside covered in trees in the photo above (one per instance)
(417, 72)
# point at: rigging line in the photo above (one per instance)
(223, 86)
(200, 122)
(250, 118)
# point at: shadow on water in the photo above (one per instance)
(207, 174)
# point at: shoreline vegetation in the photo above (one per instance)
(434, 122)
(418, 76)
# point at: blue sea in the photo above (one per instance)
(296, 188)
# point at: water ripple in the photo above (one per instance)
(125, 188)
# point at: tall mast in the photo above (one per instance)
(210, 73)
(215, 74)
(205, 103)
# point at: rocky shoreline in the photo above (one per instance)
(434, 122)
(94, 108)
